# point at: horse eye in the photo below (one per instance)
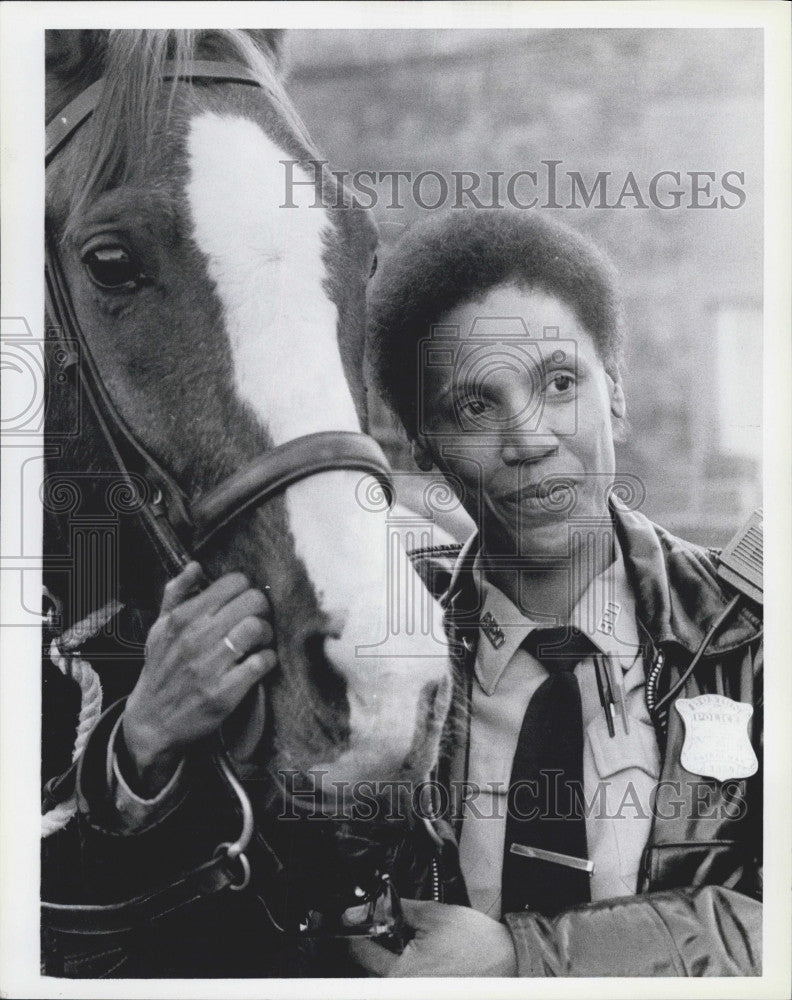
(373, 270)
(114, 269)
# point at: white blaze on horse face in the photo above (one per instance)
(266, 263)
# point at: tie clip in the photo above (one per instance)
(582, 864)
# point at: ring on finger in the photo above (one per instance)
(231, 646)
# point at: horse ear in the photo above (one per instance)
(73, 59)
(72, 52)
(270, 41)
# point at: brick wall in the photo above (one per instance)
(608, 100)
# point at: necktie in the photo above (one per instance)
(544, 813)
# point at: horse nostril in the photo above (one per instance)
(433, 698)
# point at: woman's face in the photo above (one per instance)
(518, 409)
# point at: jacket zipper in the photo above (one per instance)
(436, 881)
(652, 681)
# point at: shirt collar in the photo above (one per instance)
(605, 613)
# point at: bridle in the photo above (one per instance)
(180, 530)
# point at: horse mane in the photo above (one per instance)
(125, 126)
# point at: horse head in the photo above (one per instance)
(224, 323)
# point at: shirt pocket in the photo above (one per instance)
(625, 770)
(613, 754)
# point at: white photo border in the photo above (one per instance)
(22, 136)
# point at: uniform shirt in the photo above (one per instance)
(619, 773)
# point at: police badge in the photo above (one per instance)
(716, 737)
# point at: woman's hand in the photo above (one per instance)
(204, 653)
(449, 941)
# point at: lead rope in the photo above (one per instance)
(64, 653)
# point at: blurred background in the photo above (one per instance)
(615, 100)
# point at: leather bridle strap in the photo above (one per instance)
(275, 470)
(66, 122)
(128, 454)
(176, 530)
(74, 918)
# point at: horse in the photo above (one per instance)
(216, 330)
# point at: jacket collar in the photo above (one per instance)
(677, 592)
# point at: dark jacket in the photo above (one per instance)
(697, 909)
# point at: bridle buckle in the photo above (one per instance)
(233, 854)
(376, 914)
